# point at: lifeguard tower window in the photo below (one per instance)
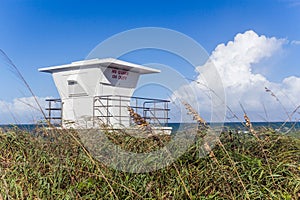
(72, 82)
(75, 89)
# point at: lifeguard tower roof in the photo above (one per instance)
(105, 62)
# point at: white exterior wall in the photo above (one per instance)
(117, 82)
(78, 87)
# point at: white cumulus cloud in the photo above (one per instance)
(234, 62)
(295, 42)
(21, 110)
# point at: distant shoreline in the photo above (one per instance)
(230, 125)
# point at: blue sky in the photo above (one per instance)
(39, 33)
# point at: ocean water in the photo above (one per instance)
(26, 127)
(283, 126)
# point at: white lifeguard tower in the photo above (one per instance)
(99, 91)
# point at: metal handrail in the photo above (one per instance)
(158, 112)
(140, 106)
(50, 110)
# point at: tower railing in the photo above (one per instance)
(108, 108)
(114, 108)
(54, 114)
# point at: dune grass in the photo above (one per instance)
(53, 165)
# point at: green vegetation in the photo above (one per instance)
(53, 165)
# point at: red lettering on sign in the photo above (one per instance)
(123, 72)
(119, 74)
